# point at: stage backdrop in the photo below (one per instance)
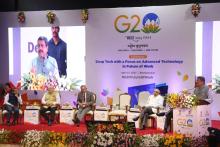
(137, 46)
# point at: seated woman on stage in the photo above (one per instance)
(12, 102)
(50, 102)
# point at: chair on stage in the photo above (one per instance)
(142, 101)
(5, 112)
(124, 105)
(89, 115)
(115, 100)
(57, 115)
(143, 98)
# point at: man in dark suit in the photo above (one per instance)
(85, 102)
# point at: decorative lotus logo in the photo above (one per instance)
(151, 23)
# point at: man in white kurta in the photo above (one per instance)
(154, 101)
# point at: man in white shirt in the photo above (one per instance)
(154, 101)
(50, 102)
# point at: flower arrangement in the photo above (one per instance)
(188, 101)
(10, 137)
(45, 138)
(21, 17)
(151, 140)
(32, 81)
(4, 136)
(51, 17)
(54, 139)
(33, 138)
(111, 127)
(195, 9)
(175, 100)
(51, 83)
(68, 83)
(198, 141)
(174, 140)
(124, 139)
(84, 15)
(217, 84)
(79, 139)
(103, 139)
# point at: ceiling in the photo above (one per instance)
(37, 5)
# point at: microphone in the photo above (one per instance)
(55, 66)
(54, 73)
(187, 91)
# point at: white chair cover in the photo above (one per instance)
(124, 100)
(116, 97)
(143, 98)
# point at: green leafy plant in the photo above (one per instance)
(217, 84)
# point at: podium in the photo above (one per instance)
(193, 121)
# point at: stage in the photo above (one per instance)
(65, 128)
(72, 135)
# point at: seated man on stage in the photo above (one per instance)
(168, 117)
(155, 101)
(12, 102)
(50, 102)
(85, 101)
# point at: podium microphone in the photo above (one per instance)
(54, 75)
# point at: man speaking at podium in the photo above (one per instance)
(201, 91)
(44, 64)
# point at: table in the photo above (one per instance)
(117, 117)
(101, 115)
(66, 116)
(31, 116)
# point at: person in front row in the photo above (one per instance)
(85, 101)
(50, 102)
(154, 101)
(12, 102)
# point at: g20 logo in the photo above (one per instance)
(150, 23)
(184, 122)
